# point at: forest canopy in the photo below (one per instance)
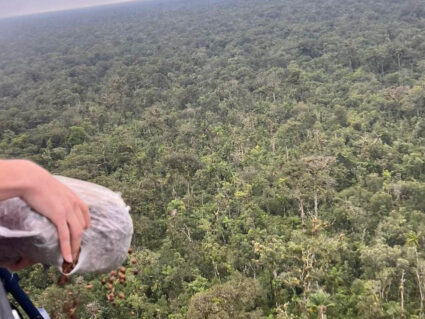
(272, 152)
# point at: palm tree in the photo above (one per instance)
(321, 301)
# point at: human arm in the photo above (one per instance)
(47, 196)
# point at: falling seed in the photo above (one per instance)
(122, 269)
(133, 261)
(63, 280)
(121, 295)
(130, 250)
(89, 286)
(113, 273)
(135, 271)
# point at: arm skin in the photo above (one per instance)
(47, 196)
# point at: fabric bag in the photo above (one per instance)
(104, 245)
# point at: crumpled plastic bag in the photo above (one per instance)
(104, 245)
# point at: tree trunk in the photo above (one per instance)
(301, 207)
(187, 187)
(402, 280)
(418, 277)
(322, 312)
(399, 62)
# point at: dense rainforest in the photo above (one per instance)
(272, 152)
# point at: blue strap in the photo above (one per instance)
(10, 282)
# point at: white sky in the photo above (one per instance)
(10, 8)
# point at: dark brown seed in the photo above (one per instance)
(63, 280)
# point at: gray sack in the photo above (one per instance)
(104, 246)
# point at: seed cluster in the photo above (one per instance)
(115, 278)
(71, 306)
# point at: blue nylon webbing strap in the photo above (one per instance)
(10, 282)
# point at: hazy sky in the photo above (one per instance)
(23, 7)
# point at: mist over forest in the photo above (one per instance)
(272, 152)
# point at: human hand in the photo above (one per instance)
(47, 196)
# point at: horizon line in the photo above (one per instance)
(70, 9)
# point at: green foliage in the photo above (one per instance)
(234, 299)
(76, 136)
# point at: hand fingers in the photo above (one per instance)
(81, 209)
(77, 211)
(64, 240)
(76, 230)
(86, 214)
